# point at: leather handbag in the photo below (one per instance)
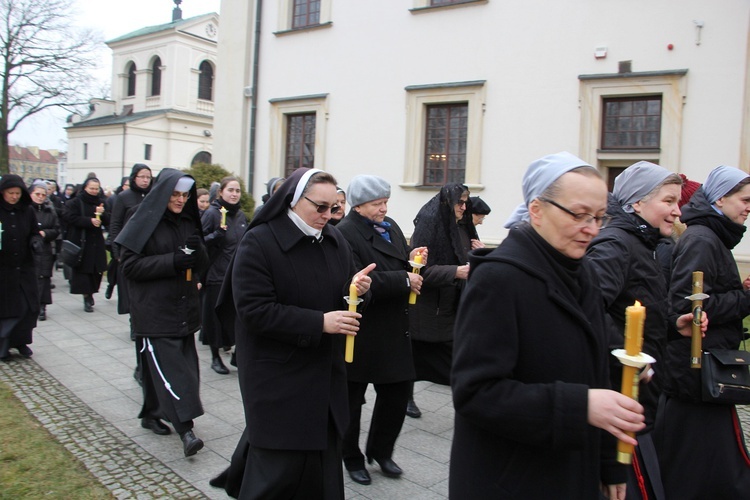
(725, 376)
(72, 254)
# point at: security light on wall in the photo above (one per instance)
(207, 133)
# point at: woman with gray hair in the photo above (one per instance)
(535, 417)
(644, 207)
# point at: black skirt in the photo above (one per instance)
(213, 331)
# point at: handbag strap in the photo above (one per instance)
(83, 230)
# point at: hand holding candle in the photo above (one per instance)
(353, 300)
(98, 211)
(223, 217)
(417, 264)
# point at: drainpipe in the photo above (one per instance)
(124, 136)
(254, 97)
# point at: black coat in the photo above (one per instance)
(221, 244)
(46, 217)
(627, 268)
(526, 353)
(382, 349)
(78, 214)
(292, 375)
(163, 303)
(17, 267)
(123, 203)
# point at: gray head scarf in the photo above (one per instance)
(539, 176)
(721, 180)
(636, 181)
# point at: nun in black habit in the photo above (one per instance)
(293, 270)
(162, 253)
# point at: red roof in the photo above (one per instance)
(28, 154)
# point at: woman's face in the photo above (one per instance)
(579, 194)
(477, 218)
(12, 195)
(660, 209)
(38, 195)
(374, 210)
(177, 201)
(460, 207)
(341, 202)
(231, 192)
(92, 188)
(736, 206)
(203, 203)
(320, 194)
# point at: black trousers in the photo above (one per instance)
(294, 475)
(387, 419)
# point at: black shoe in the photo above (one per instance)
(388, 467)
(43, 313)
(155, 425)
(51, 286)
(233, 361)
(412, 410)
(191, 444)
(218, 366)
(7, 358)
(25, 351)
(360, 476)
(108, 292)
(88, 303)
(138, 377)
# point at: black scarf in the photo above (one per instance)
(701, 213)
(232, 208)
(435, 227)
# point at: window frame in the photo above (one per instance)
(446, 140)
(670, 84)
(280, 109)
(155, 77)
(420, 6)
(621, 99)
(418, 97)
(286, 17)
(131, 77)
(202, 79)
(147, 152)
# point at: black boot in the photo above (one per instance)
(108, 292)
(88, 303)
(43, 312)
(218, 366)
(190, 443)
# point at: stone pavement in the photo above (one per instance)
(79, 384)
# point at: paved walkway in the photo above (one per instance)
(79, 385)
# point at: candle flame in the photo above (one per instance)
(637, 304)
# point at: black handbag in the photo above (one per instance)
(72, 254)
(725, 376)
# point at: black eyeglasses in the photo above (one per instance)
(582, 219)
(324, 208)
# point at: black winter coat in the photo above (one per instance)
(78, 214)
(162, 302)
(292, 375)
(46, 217)
(382, 350)
(705, 246)
(526, 353)
(123, 203)
(17, 268)
(221, 244)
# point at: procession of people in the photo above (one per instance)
(530, 335)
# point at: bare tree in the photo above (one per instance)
(44, 62)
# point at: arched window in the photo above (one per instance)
(131, 80)
(156, 77)
(206, 81)
(202, 157)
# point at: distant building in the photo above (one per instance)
(34, 163)
(425, 92)
(162, 107)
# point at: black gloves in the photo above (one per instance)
(183, 261)
(193, 242)
(37, 246)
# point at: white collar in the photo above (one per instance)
(302, 225)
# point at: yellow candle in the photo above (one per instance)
(223, 216)
(415, 270)
(635, 315)
(349, 353)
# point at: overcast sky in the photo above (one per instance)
(111, 18)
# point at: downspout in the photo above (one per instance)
(254, 97)
(124, 136)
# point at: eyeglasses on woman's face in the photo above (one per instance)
(582, 219)
(322, 208)
(184, 196)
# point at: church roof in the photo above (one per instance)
(148, 30)
(132, 117)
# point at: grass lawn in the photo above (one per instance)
(33, 464)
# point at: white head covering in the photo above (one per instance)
(184, 184)
(302, 184)
(539, 176)
(636, 181)
(721, 180)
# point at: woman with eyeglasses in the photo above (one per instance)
(535, 417)
(49, 229)
(221, 241)
(644, 208)
(286, 287)
(162, 255)
(444, 226)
